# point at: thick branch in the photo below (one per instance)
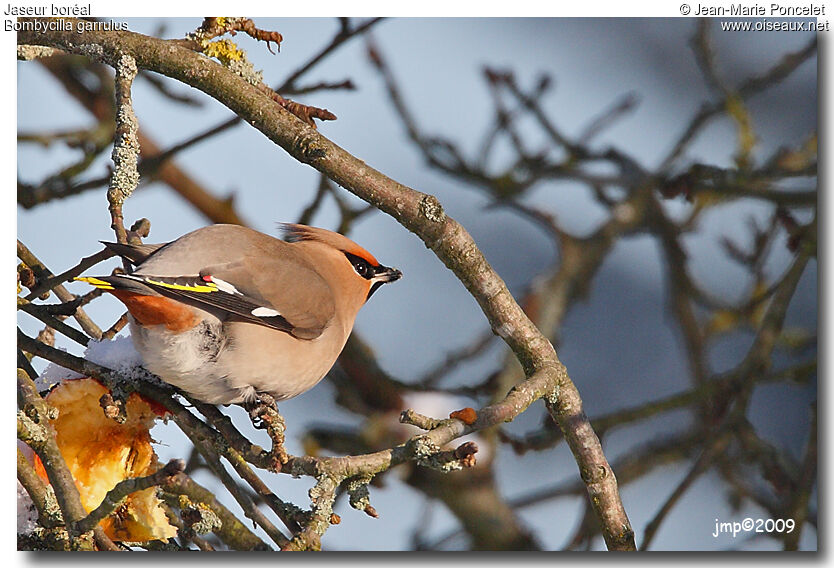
(232, 531)
(49, 516)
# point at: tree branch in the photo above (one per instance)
(124, 488)
(34, 428)
(42, 272)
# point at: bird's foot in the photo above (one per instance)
(264, 415)
(261, 409)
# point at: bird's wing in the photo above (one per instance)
(283, 294)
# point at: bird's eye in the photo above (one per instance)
(362, 269)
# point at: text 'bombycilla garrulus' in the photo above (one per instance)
(226, 312)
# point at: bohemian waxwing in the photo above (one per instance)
(226, 312)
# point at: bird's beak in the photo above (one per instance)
(384, 274)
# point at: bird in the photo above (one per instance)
(228, 314)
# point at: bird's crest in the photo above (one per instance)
(294, 232)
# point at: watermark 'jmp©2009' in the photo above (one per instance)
(749, 525)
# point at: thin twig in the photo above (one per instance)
(125, 154)
(798, 509)
(116, 327)
(115, 496)
(89, 327)
(52, 282)
(38, 311)
(702, 464)
(340, 38)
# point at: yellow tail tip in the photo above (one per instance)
(95, 282)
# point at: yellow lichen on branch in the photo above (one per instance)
(224, 50)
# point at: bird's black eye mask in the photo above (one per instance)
(362, 267)
(378, 273)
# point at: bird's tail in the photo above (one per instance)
(97, 282)
(117, 282)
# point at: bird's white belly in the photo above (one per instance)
(214, 369)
